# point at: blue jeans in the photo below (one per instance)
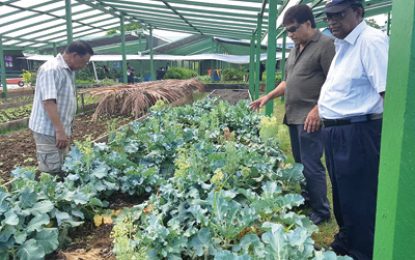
(307, 149)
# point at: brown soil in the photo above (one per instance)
(18, 148)
(233, 96)
(88, 243)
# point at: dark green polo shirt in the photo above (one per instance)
(306, 72)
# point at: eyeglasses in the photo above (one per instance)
(335, 16)
(293, 28)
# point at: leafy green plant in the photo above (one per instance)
(179, 73)
(232, 74)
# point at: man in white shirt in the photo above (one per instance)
(54, 105)
(351, 107)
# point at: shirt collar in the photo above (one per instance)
(315, 38)
(62, 62)
(351, 38)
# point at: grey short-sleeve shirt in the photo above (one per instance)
(306, 72)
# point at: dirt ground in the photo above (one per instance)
(231, 95)
(18, 148)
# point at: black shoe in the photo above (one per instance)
(317, 220)
(339, 245)
(338, 249)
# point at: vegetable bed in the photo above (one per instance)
(218, 187)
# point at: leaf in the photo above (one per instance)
(37, 222)
(201, 242)
(30, 250)
(65, 218)
(20, 236)
(5, 234)
(48, 239)
(249, 243)
(4, 204)
(100, 171)
(27, 198)
(11, 218)
(42, 207)
(227, 255)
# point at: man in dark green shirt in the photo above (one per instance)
(306, 71)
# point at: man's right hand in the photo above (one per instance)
(62, 140)
(260, 102)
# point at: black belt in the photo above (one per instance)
(351, 120)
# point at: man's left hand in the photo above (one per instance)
(312, 122)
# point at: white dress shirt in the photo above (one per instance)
(357, 75)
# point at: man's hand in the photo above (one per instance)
(62, 140)
(312, 122)
(260, 102)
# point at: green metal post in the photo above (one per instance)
(68, 15)
(3, 69)
(389, 24)
(252, 66)
(55, 50)
(153, 73)
(395, 218)
(124, 56)
(283, 52)
(258, 56)
(271, 51)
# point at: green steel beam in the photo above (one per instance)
(181, 16)
(152, 71)
(43, 36)
(34, 16)
(44, 21)
(78, 34)
(252, 66)
(216, 32)
(64, 23)
(20, 11)
(68, 15)
(169, 19)
(133, 5)
(124, 56)
(201, 27)
(23, 39)
(395, 217)
(143, 11)
(215, 5)
(113, 11)
(55, 50)
(3, 70)
(258, 56)
(283, 54)
(49, 12)
(389, 24)
(271, 51)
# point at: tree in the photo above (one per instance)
(372, 22)
(128, 28)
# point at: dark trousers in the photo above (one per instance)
(352, 156)
(307, 149)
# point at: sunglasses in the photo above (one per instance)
(335, 16)
(293, 28)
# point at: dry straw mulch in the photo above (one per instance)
(135, 99)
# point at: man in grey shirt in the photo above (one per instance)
(307, 68)
(54, 105)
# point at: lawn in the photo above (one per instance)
(329, 229)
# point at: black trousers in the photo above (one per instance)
(352, 156)
(307, 149)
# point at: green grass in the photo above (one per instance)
(326, 233)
